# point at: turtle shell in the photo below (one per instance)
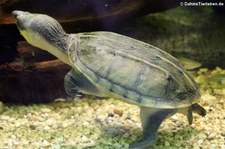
(132, 70)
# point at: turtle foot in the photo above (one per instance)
(151, 119)
(143, 143)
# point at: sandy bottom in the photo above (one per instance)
(108, 123)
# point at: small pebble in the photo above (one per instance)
(17, 123)
(46, 128)
(65, 124)
(108, 123)
(33, 127)
(45, 110)
(45, 143)
(200, 141)
(84, 139)
(110, 115)
(50, 122)
(166, 143)
(212, 135)
(118, 112)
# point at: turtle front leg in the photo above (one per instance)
(151, 119)
(76, 84)
(70, 85)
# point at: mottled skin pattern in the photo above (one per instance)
(107, 64)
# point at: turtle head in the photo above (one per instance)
(44, 32)
(22, 19)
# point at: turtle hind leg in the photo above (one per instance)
(151, 119)
(70, 85)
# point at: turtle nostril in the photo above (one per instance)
(16, 13)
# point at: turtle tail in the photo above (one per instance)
(198, 109)
(193, 108)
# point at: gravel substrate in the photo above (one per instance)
(108, 123)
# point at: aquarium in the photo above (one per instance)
(112, 74)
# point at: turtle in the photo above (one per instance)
(107, 64)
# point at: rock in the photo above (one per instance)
(200, 141)
(45, 143)
(65, 124)
(166, 143)
(33, 127)
(17, 123)
(118, 112)
(45, 110)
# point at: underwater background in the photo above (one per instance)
(33, 109)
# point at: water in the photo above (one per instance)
(28, 75)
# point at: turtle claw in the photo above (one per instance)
(143, 143)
